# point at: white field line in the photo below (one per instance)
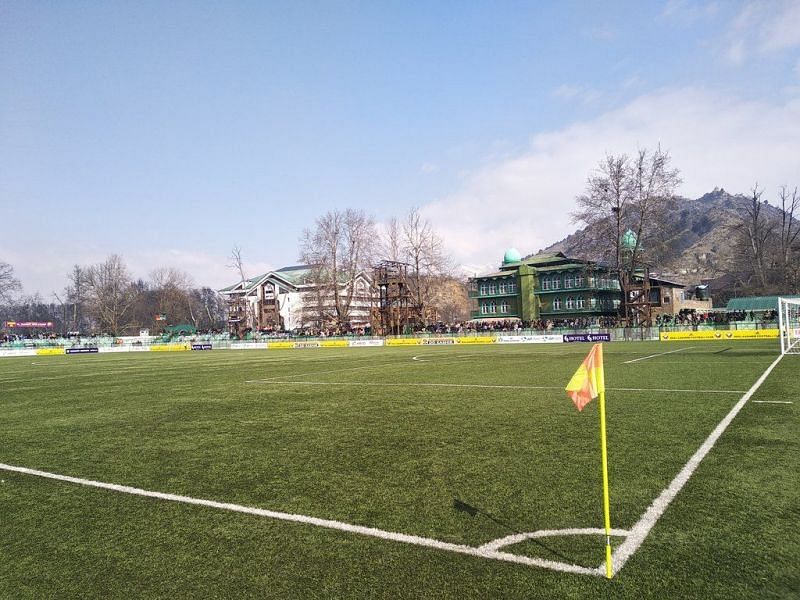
(371, 366)
(654, 512)
(772, 402)
(482, 386)
(627, 362)
(517, 538)
(326, 523)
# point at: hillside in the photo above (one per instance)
(697, 230)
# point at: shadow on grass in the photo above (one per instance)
(474, 511)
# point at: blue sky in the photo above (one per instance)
(168, 132)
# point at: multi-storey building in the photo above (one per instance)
(289, 299)
(545, 287)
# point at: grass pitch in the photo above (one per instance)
(464, 445)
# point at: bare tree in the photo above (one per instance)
(752, 233)
(788, 248)
(8, 283)
(237, 263)
(171, 288)
(424, 251)
(341, 245)
(111, 294)
(628, 194)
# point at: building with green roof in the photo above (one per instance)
(544, 287)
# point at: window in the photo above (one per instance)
(492, 307)
(545, 283)
(492, 289)
(580, 302)
(616, 302)
(556, 282)
(556, 303)
(512, 287)
(591, 281)
(570, 302)
(504, 306)
(568, 281)
(484, 288)
(484, 309)
(578, 281)
(502, 287)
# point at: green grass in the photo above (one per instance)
(386, 451)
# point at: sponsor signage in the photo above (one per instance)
(334, 344)
(31, 324)
(89, 350)
(201, 346)
(530, 339)
(169, 347)
(739, 334)
(248, 346)
(475, 340)
(587, 337)
(49, 351)
(18, 352)
(280, 345)
(365, 343)
(403, 342)
(305, 345)
(438, 341)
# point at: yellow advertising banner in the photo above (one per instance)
(476, 340)
(49, 351)
(334, 344)
(279, 345)
(404, 342)
(738, 334)
(169, 347)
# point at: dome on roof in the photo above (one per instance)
(629, 241)
(512, 255)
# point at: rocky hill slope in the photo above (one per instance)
(699, 231)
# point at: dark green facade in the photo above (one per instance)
(545, 287)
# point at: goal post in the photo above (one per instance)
(789, 322)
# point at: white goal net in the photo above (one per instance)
(789, 319)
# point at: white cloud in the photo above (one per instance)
(689, 11)
(764, 28)
(525, 201)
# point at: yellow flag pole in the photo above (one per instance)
(606, 502)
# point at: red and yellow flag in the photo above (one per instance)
(589, 380)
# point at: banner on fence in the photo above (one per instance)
(202, 346)
(365, 343)
(279, 345)
(169, 348)
(18, 352)
(88, 350)
(587, 337)
(737, 334)
(476, 340)
(530, 339)
(49, 351)
(334, 344)
(403, 342)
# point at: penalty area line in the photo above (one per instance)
(654, 512)
(627, 362)
(480, 552)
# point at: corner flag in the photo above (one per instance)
(588, 383)
(589, 380)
